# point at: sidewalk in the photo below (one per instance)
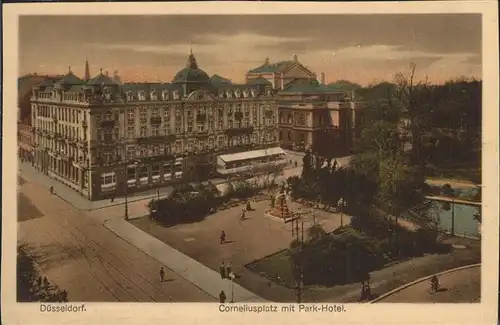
(186, 267)
(79, 201)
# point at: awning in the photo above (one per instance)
(254, 154)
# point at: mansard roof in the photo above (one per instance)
(273, 67)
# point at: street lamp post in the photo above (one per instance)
(126, 192)
(232, 276)
(341, 204)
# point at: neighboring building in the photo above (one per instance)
(25, 85)
(103, 138)
(315, 117)
(25, 142)
(279, 74)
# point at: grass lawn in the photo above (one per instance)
(276, 267)
(467, 171)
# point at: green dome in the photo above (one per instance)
(191, 74)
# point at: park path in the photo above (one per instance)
(458, 286)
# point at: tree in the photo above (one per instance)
(400, 186)
(30, 285)
(415, 98)
(380, 137)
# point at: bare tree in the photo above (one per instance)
(414, 96)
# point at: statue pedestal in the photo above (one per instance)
(280, 211)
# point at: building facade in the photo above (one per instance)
(280, 74)
(104, 138)
(25, 142)
(315, 117)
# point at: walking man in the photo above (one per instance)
(228, 269)
(222, 237)
(222, 297)
(222, 270)
(434, 284)
(52, 190)
(162, 274)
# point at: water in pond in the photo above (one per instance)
(465, 223)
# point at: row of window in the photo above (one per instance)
(155, 150)
(65, 114)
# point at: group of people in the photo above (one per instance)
(226, 271)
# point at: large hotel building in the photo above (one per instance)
(103, 138)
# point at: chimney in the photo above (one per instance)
(322, 78)
(295, 58)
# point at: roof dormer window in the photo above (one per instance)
(254, 93)
(129, 96)
(176, 95)
(165, 95)
(221, 94)
(237, 93)
(142, 95)
(229, 94)
(153, 95)
(246, 93)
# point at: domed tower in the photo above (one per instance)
(192, 78)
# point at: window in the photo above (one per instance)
(143, 115)
(153, 95)
(221, 125)
(247, 122)
(131, 174)
(130, 132)
(131, 116)
(142, 95)
(178, 146)
(155, 170)
(143, 173)
(155, 131)
(108, 116)
(108, 135)
(108, 179)
(176, 95)
(190, 145)
(144, 152)
(189, 113)
(107, 157)
(166, 129)
(155, 112)
(166, 114)
(220, 142)
(130, 152)
(156, 151)
(201, 127)
(143, 131)
(178, 130)
(165, 95)
(190, 127)
(167, 171)
(130, 97)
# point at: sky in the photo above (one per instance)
(365, 49)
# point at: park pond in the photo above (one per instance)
(465, 223)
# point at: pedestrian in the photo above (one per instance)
(52, 190)
(222, 297)
(222, 237)
(228, 269)
(162, 274)
(249, 207)
(434, 283)
(222, 270)
(295, 163)
(46, 282)
(112, 198)
(242, 215)
(64, 296)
